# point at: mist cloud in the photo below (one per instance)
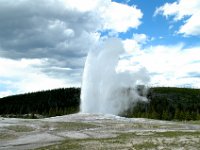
(104, 89)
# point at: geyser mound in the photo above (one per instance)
(104, 90)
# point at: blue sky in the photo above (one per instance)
(150, 24)
(44, 44)
(158, 26)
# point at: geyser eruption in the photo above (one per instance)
(104, 90)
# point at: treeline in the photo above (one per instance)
(46, 103)
(163, 103)
(167, 103)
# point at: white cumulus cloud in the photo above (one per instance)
(114, 16)
(188, 11)
(134, 44)
(167, 65)
(19, 76)
(44, 43)
(121, 17)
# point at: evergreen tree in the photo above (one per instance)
(188, 116)
(177, 115)
(165, 115)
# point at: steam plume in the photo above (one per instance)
(103, 89)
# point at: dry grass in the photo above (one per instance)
(20, 128)
(157, 140)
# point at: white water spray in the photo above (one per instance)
(104, 90)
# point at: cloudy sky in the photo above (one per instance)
(44, 43)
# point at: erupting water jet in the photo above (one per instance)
(104, 90)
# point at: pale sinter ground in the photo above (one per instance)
(96, 131)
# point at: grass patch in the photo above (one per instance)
(89, 143)
(20, 128)
(171, 134)
(6, 136)
(72, 126)
(145, 145)
(145, 126)
(125, 136)
(65, 145)
(197, 122)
